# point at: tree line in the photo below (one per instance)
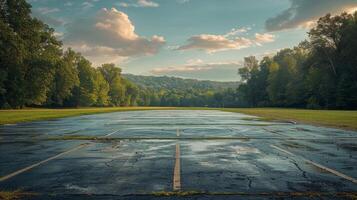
(318, 73)
(36, 71)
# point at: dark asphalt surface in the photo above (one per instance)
(223, 156)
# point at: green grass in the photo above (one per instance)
(34, 114)
(329, 118)
(15, 195)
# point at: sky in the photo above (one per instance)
(200, 39)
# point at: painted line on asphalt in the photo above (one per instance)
(332, 171)
(109, 134)
(277, 133)
(4, 178)
(177, 170)
(283, 150)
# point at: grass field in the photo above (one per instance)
(26, 115)
(330, 118)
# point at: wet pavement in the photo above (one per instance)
(134, 155)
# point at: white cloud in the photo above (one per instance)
(52, 21)
(87, 5)
(68, 4)
(47, 10)
(194, 61)
(140, 3)
(183, 1)
(196, 68)
(229, 41)
(58, 35)
(123, 4)
(264, 38)
(351, 10)
(99, 54)
(236, 31)
(110, 33)
(147, 3)
(214, 43)
(302, 13)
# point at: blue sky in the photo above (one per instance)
(201, 39)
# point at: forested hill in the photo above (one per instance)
(174, 83)
(173, 91)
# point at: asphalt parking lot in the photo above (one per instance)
(166, 154)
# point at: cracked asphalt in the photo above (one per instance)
(221, 155)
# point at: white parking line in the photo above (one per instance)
(109, 134)
(177, 170)
(4, 178)
(332, 171)
(283, 150)
(277, 133)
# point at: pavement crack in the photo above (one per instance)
(299, 168)
(108, 164)
(249, 183)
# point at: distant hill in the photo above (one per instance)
(174, 83)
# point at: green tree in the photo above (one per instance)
(87, 87)
(333, 54)
(28, 54)
(66, 78)
(117, 90)
(131, 93)
(254, 77)
(101, 89)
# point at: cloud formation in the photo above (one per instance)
(87, 5)
(264, 38)
(183, 1)
(47, 10)
(222, 71)
(43, 15)
(302, 13)
(214, 43)
(140, 3)
(109, 34)
(229, 41)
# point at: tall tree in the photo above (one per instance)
(66, 78)
(101, 89)
(34, 52)
(112, 75)
(87, 87)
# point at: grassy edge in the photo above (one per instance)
(15, 195)
(34, 114)
(313, 117)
